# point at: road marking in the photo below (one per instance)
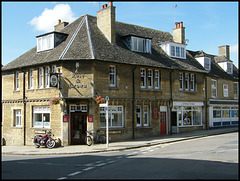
(88, 168)
(101, 164)
(62, 178)
(75, 173)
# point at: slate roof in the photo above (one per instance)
(85, 41)
(216, 70)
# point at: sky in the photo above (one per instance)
(208, 24)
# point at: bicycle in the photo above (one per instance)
(95, 137)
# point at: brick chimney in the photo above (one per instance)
(179, 33)
(106, 21)
(224, 50)
(60, 25)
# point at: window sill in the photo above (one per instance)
(113, 88)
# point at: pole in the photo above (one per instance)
(107, 140)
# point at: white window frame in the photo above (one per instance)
(172, 50)
(143, 77)
(148, 46)
(213, 88)
(181, 80)
(139, 115)
(17, 80)
(235, 90)
(177, 51)
(17, 117)
(40, 77)
(111, 111)
(113, 76)
(229, 69)
(146, 113)
(207, 63)
(41, 110)
(141, 44)
(150, 79)
(225, 90)
(30, 79)
(182, 52)
(156, 79)
(47, 77)
(192, 82)
(186, 81)
(54, 68)
(45, 42)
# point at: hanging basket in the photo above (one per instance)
(54, 101)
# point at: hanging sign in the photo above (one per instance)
(65, 119)
(90, 118)
(53, 80)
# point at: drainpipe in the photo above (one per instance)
(133, 101)
(206, 104)
(170, 102)
(24, 108)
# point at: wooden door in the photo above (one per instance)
(78, 128)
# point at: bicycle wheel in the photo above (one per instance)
(89, 140)
(102, 138)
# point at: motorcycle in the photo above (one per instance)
(45, 140)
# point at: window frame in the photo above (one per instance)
(181, 81)
(139, 115)
(192, 82)
(41, 110)
(40, 77)
(113, 76)
(16, 81)
(47, 76)
(235, 90)
(17, 113)
(157, 79)
(143, 78)
(150, 79)
(146, 112)
(213, 89)
(30, 79)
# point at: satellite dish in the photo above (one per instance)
(186, 41)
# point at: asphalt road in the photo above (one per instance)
(213, 157)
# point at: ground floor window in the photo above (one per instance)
(188, 115)
(41, 116)
(223, 115)
(115, 117)
(17, 118)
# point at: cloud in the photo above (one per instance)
(234, 48)
(49, 17)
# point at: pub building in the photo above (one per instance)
(155, 87)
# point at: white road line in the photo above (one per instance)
(88, 168)
(62, 178)
(101, 164)
(75, 173)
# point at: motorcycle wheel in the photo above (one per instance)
(89, 140)
(37, 146)
(51, 144)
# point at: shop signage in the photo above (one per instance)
(225, 90)
(77, 81)
(155, 113)
(65, 119)
(90, 118)
(53, 80)
(175, 103)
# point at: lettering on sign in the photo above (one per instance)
(77, 84)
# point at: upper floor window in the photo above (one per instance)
(186, 82)
(235, 90)
(214, 88)
(157, 79)
(226, 66)
(40, 77)
(174, 49)
(140, 44)
(47, 76)
(16, 80)
(113, 79)
(205, 62)
(150, 79)
(143, 78)
(30, 79)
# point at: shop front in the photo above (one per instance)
(186, 116)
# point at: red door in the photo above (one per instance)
(163, 125)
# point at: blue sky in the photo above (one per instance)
(208, 24)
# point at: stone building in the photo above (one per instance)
(156, 87)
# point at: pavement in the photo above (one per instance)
(114, 146)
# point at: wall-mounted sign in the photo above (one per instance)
(155, 113)
(65, 119)
(90, 118)
(225, 90)
(53, 80)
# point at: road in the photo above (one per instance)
(213, 157)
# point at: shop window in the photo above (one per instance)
(189, 116)
(41, 116)
(17, 118)
(115, 117)
(139, 115)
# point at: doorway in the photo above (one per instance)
(174, 122)
(78, 128)
(163, 125)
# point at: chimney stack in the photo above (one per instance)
(60, 25)
(106, 21)
(179, 33)
(224, 50)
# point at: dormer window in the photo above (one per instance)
(50, 40)
(175, 50)
(227, 67)
(205, 62)
(138, 44)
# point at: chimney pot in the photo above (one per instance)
(103, 6)
(59, 21)
(181, 24)
(110, 3)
